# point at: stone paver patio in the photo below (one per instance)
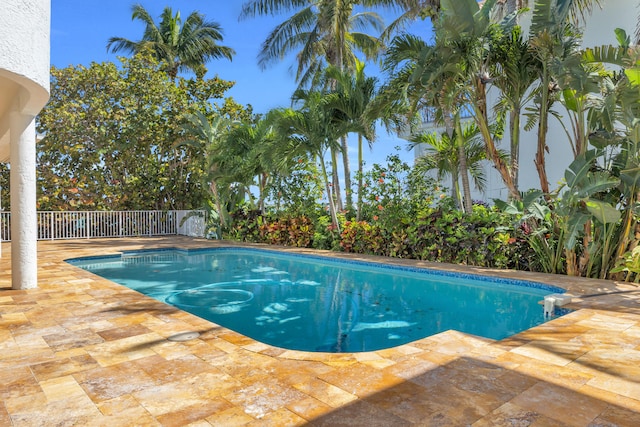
(81, 350)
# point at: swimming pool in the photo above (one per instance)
(315, 303)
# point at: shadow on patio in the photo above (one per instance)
(470, 391)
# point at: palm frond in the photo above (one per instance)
(614, 55)
(117, 44)
(366, 20)
(255, 8)
(285, 37)
(462, 12)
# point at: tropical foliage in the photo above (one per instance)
(137, 136)
(441, 155)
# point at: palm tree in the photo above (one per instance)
(187, 45)
(441, 154)
(413, 10)
(614, 115)
(515, 72)
(354, 96)
(546, 47)
(311, 129)
(320, 33)
(577, 9)
(253, 145)
(432, 84)
(463, 32)
(553, 40)
(204, 135)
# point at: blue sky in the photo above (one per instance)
(80, 30)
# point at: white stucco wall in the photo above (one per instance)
(24, 42)
(24, 61)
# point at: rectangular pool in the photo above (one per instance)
(315, 303)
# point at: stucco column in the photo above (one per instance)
(24, 249)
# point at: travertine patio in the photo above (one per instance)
(81, 350)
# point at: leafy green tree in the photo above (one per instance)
(553, 40)
(412, 10)
(577, 9)
(464, 31)
(298, 192)
(423, 74)
(473, 47)
(250, 150)
(319, 32)
(531, 69)
(182, 46)
(614, 126)
(593, 220)
(110, 134)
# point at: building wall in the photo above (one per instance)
(24, 61)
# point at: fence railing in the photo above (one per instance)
(60, 225)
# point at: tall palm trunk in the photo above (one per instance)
(216, 200)
(455, 173)
(347, 172)
(360, 177)
(332, 206)
(464, 170)
(262, 179)
(337, 193)
(543, 126)
(345, 162)
(482, 120)
(514, 131)
(455, 188)
(340, 40)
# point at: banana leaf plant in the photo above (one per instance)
(580, 203)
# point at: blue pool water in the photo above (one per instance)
(314, 303)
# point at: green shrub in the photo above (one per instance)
(296, 231)
(486, 238)
(363, 238)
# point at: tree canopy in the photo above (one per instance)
(111, 137)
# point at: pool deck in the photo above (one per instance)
(81, 350)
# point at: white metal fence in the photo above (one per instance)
(92, 224)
